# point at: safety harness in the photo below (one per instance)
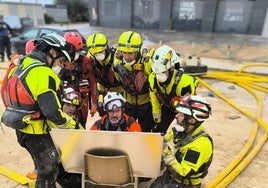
(135, 81)
(104, 73)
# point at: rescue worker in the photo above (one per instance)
(188, 149)
(132, 70)
(167, 85)
(79, 75)
(33, 104)
(115, 119)
(103, 55)
(70, 101)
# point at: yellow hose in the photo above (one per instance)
(249, 82)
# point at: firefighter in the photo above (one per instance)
(79, 75)
(115, 119)
(103, 55)
(167, 85)
(70, 101)
(132, 70)
(33, 104)
(187, 150)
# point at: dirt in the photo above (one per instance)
(229, 128)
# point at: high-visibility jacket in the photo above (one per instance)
(165, 94)
(193, 158)
(127, 123)
(134, 80)
(36, 94)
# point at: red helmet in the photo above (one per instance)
(75, 39)
(29, 46)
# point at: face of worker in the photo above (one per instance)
(162, 77)
(115, 116)
(129, 57)
(69, 109)
(57, 61)
(100, 56)
(187, 125)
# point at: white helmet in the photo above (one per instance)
(164, 58)
(195, 106)
(70, 96)
(113, 100)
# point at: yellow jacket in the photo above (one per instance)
(43, 84)
(140, 96)
(191, 156)
(186, 84)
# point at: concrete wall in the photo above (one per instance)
(253, 16)
(258, 17)
(34, 11)
(265, 27)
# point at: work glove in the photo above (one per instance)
(93, 110)
(169, 159)
(169, 148)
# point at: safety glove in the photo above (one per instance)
(169, 155)
(168, 148)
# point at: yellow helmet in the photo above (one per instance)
(96, 43)
(129, 41)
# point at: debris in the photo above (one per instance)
(234, 117)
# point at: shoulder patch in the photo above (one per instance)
(192, 156)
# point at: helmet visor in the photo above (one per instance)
(114, 104)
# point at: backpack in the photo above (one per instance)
(19, 105)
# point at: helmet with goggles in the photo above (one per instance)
(75, 39)
(96, 43)
(113, 100)
(70, 96)
(164, 58)
(129, 41)
(194, 106)
(58, 43)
